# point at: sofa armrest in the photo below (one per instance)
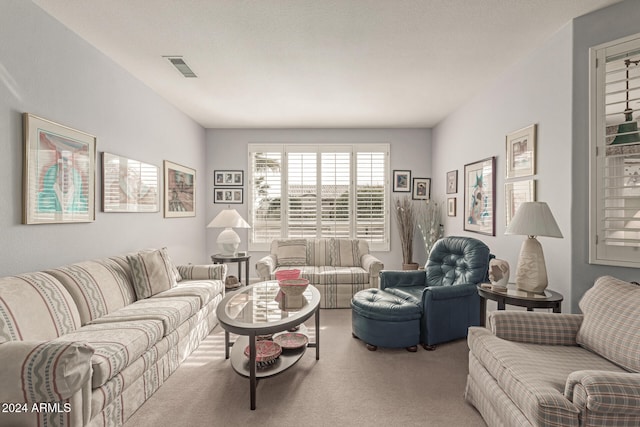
(402, 278)
(604, 392)
(266, 266)
(374, 266)
(203, 272)
(43, 371)
(535, 328)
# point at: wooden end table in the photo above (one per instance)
(512, 296)
(219, 259)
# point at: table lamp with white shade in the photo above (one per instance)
(228, 240)
(532, 219)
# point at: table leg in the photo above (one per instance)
(529, 308)
(252, 369)
(246, 267)
(240, 272)
(557, 308)
(226, 344)
(318, 333)
(501, 304)
(483, 311)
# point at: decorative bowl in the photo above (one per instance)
(291, 340)
(293, 287)
(287, 274)
(266, 351)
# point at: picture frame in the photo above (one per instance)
(452, 182)
(58, 173)
(479, 196)
(451, 206)
(421, 189)
(401, 181)
(230, 195)
(521, 152)
(129, 185)
(179, 190)
(228, 178)
(515, 194)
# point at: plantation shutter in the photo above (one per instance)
(302, 182)
(335, 184)
(371, 196)
(616, 176)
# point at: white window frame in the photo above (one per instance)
(354, 149)
(623, 251)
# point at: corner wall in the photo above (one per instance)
(47, 70)
(537, 89)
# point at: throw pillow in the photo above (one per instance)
(345, 252)
(151, 273)
(611, 321)
(292, 252)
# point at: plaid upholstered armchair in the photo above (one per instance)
(446, 291)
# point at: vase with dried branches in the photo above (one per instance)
(429, 223)
(406, 219)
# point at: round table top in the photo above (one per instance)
(516, 294)
(230, 258)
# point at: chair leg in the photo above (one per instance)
(428, 347)
(412, 348)
(372, 347)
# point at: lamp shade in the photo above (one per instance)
(534, 219)
(228, 218)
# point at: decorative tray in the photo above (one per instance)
(291, 340)
(266, 351)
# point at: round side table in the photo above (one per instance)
(512, 296)
(220, 259)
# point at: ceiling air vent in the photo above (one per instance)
(182, 66)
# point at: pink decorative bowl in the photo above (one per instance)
(287, 274)
(293, 287)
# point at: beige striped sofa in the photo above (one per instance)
(88, 343)
(337, 267)
(546, 369)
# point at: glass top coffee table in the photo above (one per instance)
(259, 310)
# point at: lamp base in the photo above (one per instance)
(228, 242)
(531, 274)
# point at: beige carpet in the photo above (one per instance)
(348, 386)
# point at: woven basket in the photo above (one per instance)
(293, 287)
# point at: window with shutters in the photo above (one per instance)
(313, 191)
(615, 159)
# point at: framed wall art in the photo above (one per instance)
(421, 189)
(479, 196)
(228, 178)
(521, 152)
(452, 182)
(228, 195)
(179, 190)
(129, 185)
(515, 194)
(59, 173)
(401, 181)
(451, 206)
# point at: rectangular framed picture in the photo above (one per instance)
(515, 194)
(479, 196)
(129, 185)
(401, 181)
(59, 173)
(179, 190)
(228, 195)
(228, 177)
(451, 206)
(521, 152)
(421, 189)
(452, 182)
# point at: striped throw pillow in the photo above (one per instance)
(151, 272)
(292, 252)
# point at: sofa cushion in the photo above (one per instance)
(171, 311)
(116, 345)
(533, 375)
(152, 272)
(345, 252)
(328, 275)
(611, 321)
(318, 252)
(205, 290)
(97, 286)
(291, 252)
(35, 306)
(412, 294)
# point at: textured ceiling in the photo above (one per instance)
(318, 63)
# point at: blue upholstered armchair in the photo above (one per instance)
(446, 289)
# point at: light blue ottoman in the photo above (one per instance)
(385, 320)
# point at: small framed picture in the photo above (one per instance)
(228, 195)
(228, 177)
(479, 196)
(421, 189)
(452, 182)
(516, 193)
(179, 190)
(401, 181)
(451, 206)
(521, 152)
